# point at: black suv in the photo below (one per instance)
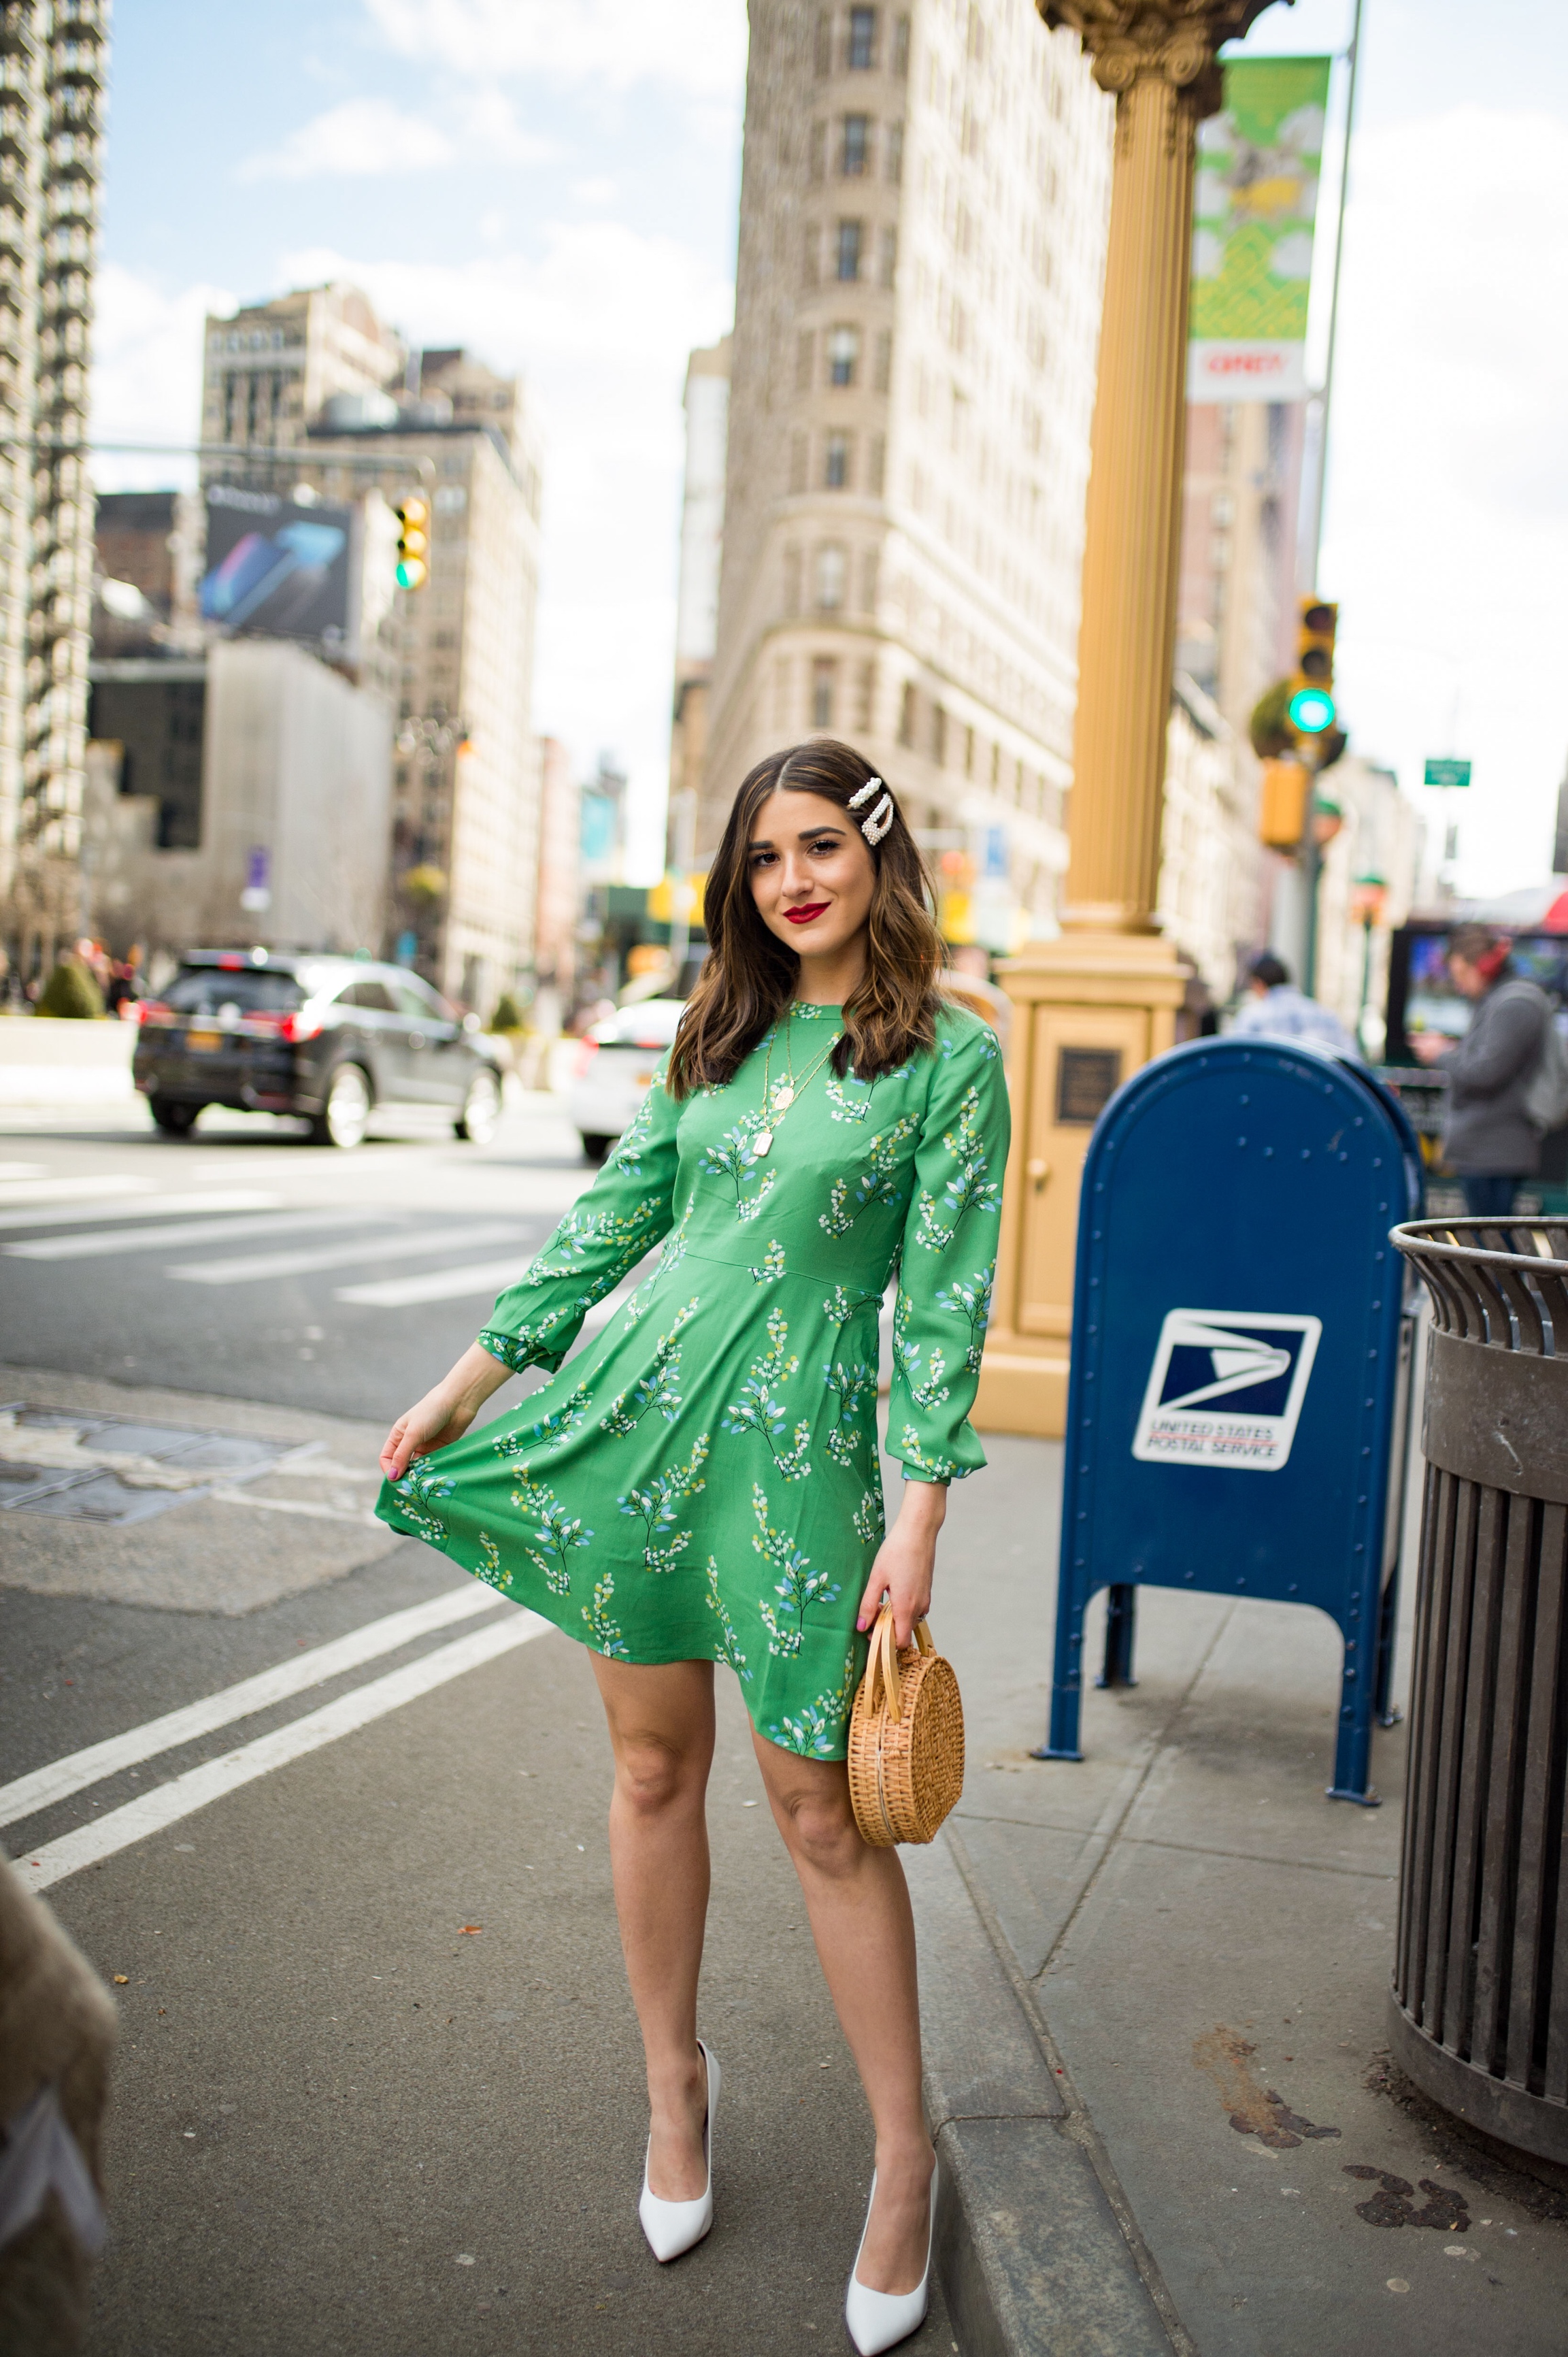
(325, 1037)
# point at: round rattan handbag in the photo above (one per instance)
(906, 1739)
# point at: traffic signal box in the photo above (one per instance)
(1281, 808)
(1312, 707)
(412, 543)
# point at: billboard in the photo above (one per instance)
(1254, 208)
(275, 567)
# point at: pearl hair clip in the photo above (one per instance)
(877, 822)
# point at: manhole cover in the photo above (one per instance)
(92, 1467)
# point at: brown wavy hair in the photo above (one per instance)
(750, 976)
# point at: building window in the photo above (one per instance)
(810, 251)
(830, 569)
(886, 258)
(901, 46)
(798, 462)
(822, 672)
(868, 569)
(844, 353)
(876, 470)
(939, 735)
(969, 752)
(855, 154)
(805, 350)
(865, 696)
(861, 40)
(824, 41)
(882, 367)
(791, 581)
(819, 150)
(892, 152)
(850, 236)
(907, 709)
(835, 463)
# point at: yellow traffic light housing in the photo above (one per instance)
(1312, 707)
(412, 543)
(1281, 809)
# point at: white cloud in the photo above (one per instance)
(146, 373)
(696, 46)
(361, 138)
(1449, 477)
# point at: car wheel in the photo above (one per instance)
(344, 1117)
(173, 1119)
(481, 1110)
(595, 1146)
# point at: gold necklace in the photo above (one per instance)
(777, 1102)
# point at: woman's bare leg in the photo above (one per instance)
(864, 1933)
(661, 1732)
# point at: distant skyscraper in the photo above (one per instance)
(923, 212)
(53, 62)
(697, 598)
(316, 374)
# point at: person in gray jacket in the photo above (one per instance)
(1488, 1139)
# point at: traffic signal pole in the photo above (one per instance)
(1311, 851)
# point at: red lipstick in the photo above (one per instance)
(804, 916)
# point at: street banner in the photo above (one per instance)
(1253, 209)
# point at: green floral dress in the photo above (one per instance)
(702, 1481)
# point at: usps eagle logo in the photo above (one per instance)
(1226, 1388)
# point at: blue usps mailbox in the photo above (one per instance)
(1241, 1359)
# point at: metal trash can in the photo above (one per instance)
(1478, 2011)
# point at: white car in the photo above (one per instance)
(615, 1068)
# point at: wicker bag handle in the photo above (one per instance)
(883, 1660)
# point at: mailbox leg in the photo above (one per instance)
(1121, 1627)
(1067, 1683)
(1353, 1751)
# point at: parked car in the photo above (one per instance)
(330, 1037)
(615, 1068)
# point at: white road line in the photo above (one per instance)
(490, 1277)
(166, 1804)
(24, 1169)
(77, 1770)
(397, 1245)
(154, 1207)
(98, 1242)
(60, 1191)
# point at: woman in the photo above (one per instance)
(702, 1485)
(1488, 1138)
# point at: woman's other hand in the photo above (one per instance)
(445, 1414)
(905, 1562)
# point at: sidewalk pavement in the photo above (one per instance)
(1155, 1988)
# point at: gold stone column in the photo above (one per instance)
(1092, 1006)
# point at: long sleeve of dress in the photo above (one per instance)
(626, 1211)
(948, 1261)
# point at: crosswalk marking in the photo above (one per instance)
(166, 1804)
(150, 1207)
(490, 1276)
(97, 1241)
(61, 1190)
(73, 1773)
(248, 1268)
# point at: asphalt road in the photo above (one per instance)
(378, 2088)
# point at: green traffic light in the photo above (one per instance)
(411, 573)
(1312, 711)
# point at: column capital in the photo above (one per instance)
(1173, 40)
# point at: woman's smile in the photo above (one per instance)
(807, 915)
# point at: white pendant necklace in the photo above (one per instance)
(778, 1099)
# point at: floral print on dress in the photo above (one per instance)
(759, 1409)
(656, 1506)
(816, 1729)
(799, 1586)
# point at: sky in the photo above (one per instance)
(554, 183)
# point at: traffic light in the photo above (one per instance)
(412, 543)
(1312, 705)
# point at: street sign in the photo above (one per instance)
(1446, 773)
(1241, 1359)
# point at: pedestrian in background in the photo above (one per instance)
(824, 1117)
(1488, 1137)
(1274, 1009)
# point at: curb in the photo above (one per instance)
(1039, 2252)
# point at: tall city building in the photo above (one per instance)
(697, 595)
(924, 203)
(53, 62)
(314, 374)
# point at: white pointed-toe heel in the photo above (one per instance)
(672, 2227)
(880, 2320)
